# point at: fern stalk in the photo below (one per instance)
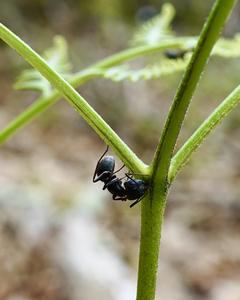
(153, 210)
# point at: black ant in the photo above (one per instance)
(175, 53)
(131, 189)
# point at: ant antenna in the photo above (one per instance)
(103, 154)
(119, 169)
(100, 160)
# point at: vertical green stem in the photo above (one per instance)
(153, 209)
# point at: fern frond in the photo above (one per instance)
(57, 58)
(227, 47)
(156, 70)
(156, 29)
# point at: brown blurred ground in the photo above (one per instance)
(62, 237)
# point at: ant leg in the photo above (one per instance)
(135, 202)
(116, 179)
(129, 176)
(132, 174)
(119, 169)
(122, 178)
(95, 172)
(115, 197)
(110, 182)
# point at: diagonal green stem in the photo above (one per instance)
(132, 53)
(81, 77)
(78, 102)
(23, 119)
(153, 210)
(199, 136)
(39, 106)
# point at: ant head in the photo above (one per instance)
(106, 164)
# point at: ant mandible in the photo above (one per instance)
(131, 189)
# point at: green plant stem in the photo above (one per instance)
(93, 71)
(199, 136)
(132, 53)
(24, 117)
(153, 210)
(78, 102)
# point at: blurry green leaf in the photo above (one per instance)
(155, 29)
(57, 58)
(227, 47)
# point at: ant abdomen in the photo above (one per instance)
(135, 188)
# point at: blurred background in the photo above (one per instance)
(61, 236)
